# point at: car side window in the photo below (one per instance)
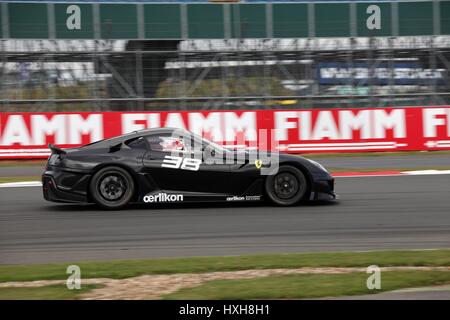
(165, 143)
(155, 142)
(137, 143)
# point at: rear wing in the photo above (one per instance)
(55, 149)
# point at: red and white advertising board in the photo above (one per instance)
(26, 135)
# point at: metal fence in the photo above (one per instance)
(58, 75)
(267, 55)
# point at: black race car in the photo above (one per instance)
(168, 165)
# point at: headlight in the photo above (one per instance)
(318, 165)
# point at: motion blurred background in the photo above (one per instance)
(203, 55)
(348, 77)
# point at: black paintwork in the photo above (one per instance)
(69, 171)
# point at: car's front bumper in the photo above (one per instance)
(323, 190)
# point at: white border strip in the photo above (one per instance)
(34, 154)
(426, 172)
(21, 184)
(402, 173)
(25, 150)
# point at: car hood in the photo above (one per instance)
(256, 154)
(286, 158)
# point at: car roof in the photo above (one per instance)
(144, 132)
(106, 143)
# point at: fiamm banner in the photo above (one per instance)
(26, 135)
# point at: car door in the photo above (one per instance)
(175, 166)
(245, 177)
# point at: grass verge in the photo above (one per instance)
(55, 292)
(120, 269)
(19, 179)
(308, 285)
(23, 163)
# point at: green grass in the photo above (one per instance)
(23, 163)
(19, 179)
(129, 268)
(54, 292)
(308, 285)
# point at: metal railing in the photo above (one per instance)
(120, 75)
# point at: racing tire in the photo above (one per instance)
(111, 188)
(287, 187)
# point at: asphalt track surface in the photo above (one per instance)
(425, 293)
(393, 212)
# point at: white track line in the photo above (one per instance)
(426, 172)
(21, 184)
(369, 176)
(401, 173)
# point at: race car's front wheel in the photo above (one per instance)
(111, 187)
(288, 187)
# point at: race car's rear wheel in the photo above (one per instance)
(288, 187)
(111, 187)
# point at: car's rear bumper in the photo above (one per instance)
(54, 191)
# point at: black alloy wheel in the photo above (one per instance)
(112, 187)
(287, 187)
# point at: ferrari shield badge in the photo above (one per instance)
(258, 164)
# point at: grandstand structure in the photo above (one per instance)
(159, 55)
